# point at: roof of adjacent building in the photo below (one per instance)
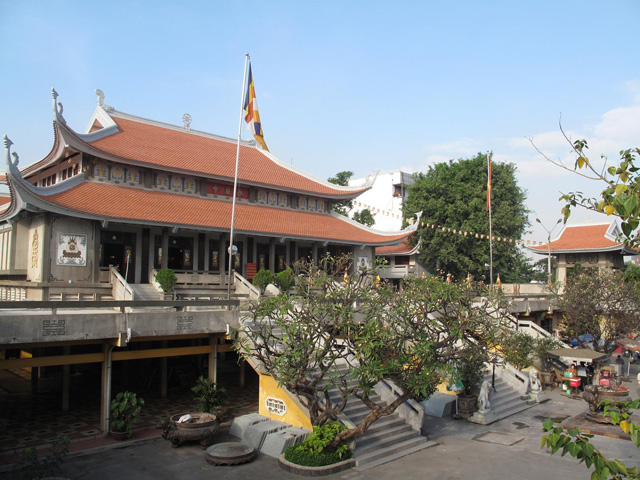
(585, 238)
(405, 248)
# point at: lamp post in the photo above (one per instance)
(549, 245)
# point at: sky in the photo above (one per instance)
(344, 85)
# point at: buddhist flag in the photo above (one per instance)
(488, 182)
(251, 115)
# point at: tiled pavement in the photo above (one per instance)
(34, 420)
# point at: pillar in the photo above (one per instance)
(272, 254)
(314, 253)
(213, 360)
(164, 377)
(66, 369)
(165, 248)
(105, 394)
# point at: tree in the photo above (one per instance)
(365, 217)
(579, 446)
(453, 195)
(621, 193)
(342, 178)
(412, 336)
(596, 301)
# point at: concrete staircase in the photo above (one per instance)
(505, 401)
(145, 291)
(387, 439)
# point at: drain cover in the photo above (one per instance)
(499, 438)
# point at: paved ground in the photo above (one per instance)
(506, 449)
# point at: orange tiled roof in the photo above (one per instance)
(160, 207)
(169, 147)
(5, 202)
(581, 237)
(403, 249)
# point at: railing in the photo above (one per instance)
(245, 286)
(533, 329)
(410, 411)
(54, 306)
(396, 271)
(120, 289)
(199, 277)
(12, 293)
(514, 377)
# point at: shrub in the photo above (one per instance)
(167, 279)
(285, 279)
(32, 467)
(312, 451)
(263, 278)
(209, 398)
(125, 409)
(471, 369)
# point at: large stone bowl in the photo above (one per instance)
(201, 428)
(594, 394)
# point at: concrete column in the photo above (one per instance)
(105, 395)
(66, 369)
(165, 248)
(213, 360)
(314, 253)
(272, 254)
(164, 377)
(222, 257)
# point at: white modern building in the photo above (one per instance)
(385, 199)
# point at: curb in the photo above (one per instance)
(315, 471)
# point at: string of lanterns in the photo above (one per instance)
(480, 236)
(464, 233)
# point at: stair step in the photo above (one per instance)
(385, 440)
(371, 437)
(394, 456)
(358, 417)
(386, 452)
(382, 424)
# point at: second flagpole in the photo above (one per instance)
(232, 248)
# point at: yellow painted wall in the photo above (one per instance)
(442, 388)
(294, 415)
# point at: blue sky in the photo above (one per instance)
(342, 85)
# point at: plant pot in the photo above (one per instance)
(201, 428)
(118, 435)
(467, 404)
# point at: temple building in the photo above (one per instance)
(95, 219)
(592, 245)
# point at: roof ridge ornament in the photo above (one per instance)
(368, 182)
(57, 108)
(186, 120)
(100, 94)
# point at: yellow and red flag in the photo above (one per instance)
(251, 115)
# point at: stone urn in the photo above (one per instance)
(191, 427)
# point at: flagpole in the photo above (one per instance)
(489, 155)
(232, 251)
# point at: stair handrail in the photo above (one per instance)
(246, 285)
(515, 378)
(120, 289)
(410, 411)
(535, 327)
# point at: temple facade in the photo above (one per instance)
(84, 231)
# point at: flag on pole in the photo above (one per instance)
(251, 115)
(488, 182)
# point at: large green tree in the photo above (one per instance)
(342, 178)
(454, 195)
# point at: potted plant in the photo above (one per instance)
(167, 279)
(125, 410)
(209, 398)
(471, 370)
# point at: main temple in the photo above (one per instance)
(92, 223)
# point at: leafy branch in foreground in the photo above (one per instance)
(621, 193)
(579, 446)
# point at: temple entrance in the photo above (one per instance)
(180, 253)
(118, 250)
